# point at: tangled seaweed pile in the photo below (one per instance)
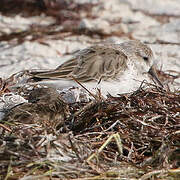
(131, 136)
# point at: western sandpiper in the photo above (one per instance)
(112, 68)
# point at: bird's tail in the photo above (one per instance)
(45, 75)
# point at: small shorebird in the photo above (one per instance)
(113, 68)
(37, 110)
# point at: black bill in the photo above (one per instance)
(152, 72)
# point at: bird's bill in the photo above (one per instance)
(152, 72)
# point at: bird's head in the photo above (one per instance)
(142, 58)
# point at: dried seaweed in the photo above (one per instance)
(60, 9)
(66, 15)
(146, 121)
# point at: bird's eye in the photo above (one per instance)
(145, 58)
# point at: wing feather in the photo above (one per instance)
(93, 63)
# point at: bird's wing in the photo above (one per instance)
(93, 63)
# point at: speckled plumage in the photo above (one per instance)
(120, 68)
(44, 107)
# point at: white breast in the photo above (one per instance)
(128, 82)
